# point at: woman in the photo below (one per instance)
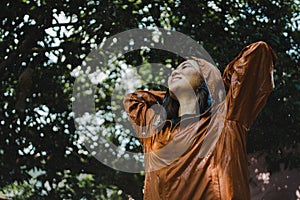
(194, 134)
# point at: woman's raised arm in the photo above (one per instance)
(249, 81)
(138, 108)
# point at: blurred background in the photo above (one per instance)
(43, 45)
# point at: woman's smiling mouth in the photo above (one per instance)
(175, 78)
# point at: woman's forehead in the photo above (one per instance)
(189, 62)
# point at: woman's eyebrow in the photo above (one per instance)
(184, 64)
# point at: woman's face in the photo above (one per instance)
(185, 77)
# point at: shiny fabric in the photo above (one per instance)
(175, 165)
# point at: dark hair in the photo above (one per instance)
(172, 105)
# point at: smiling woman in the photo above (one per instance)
(186, 75)
(194, 138)
(186, 85)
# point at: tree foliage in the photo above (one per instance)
(42, 42)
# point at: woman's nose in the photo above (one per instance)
(174, 72)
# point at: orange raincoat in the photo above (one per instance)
(178, 164)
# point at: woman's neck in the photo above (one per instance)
(187, 105)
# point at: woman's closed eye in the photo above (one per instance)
(185, 66)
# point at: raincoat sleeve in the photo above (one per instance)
(249, 81)
(140, 106)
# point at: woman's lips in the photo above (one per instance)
(175, 78)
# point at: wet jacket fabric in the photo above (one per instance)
(176, 167)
